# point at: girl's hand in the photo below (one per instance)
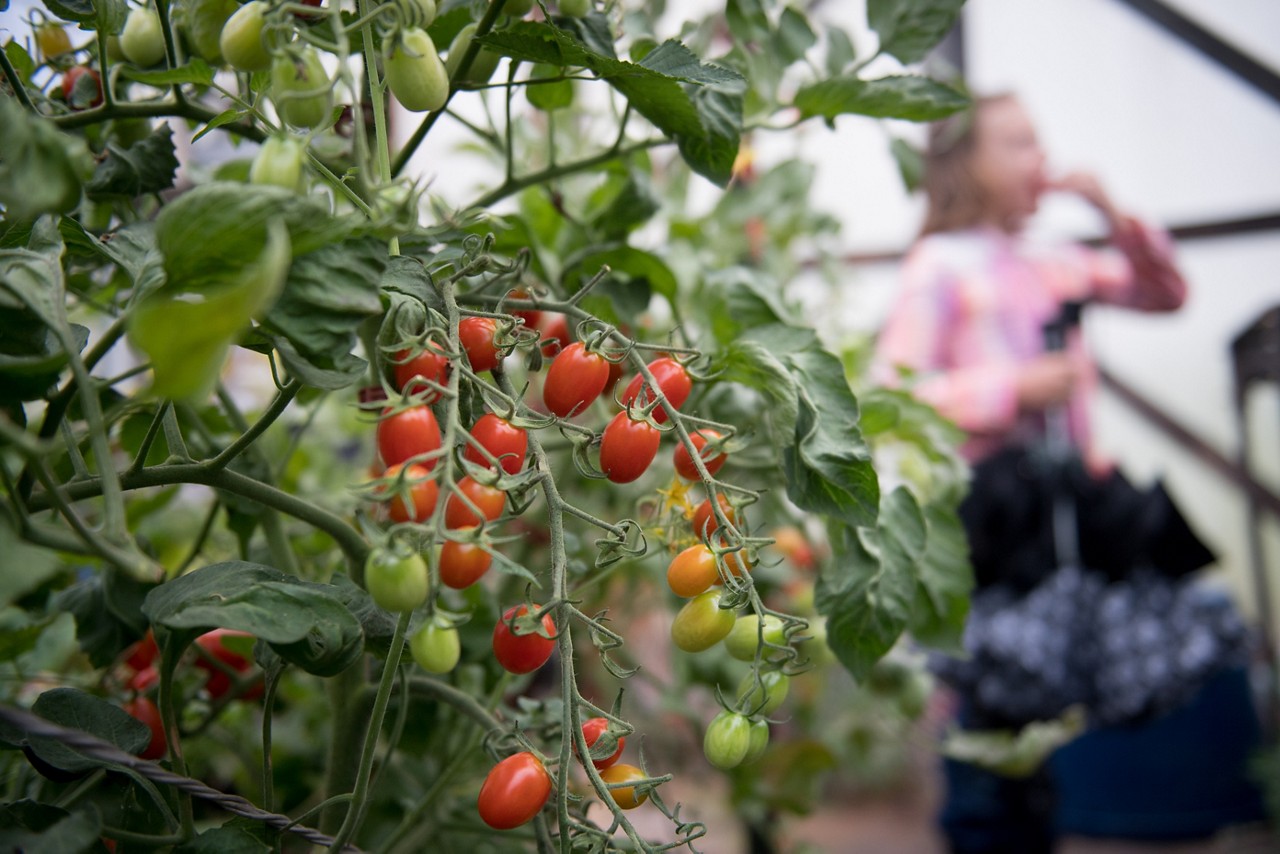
(1087, 186)
(1047, 380)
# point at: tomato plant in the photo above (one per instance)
(522, 652)
(592, 730)
(408, 434)
(574, 380)
(501, 440)
(626, 797)
(463, 564)
(259, 309)
(514, 792)
(474, 503)
(627, 447)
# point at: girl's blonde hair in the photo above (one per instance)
(956, 200)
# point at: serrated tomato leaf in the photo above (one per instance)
(908, 97)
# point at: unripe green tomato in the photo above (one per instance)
(242, 44)
(115, 53)
(727, 740)
(518, 8)
(775, 684)
(742, 640)
(415, 74)
(759, 741)
(279, 162)
(816, 647)
(436, 647)
(300, 89)
(701, 623)
(52, 39)
(142, 39)
(202, 21)
(397, 582)
(481, 68)
(575, 8)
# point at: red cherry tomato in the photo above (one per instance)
(144, 680)
(430, 364)
(476, 335)
(627, 448)
(421, 490)
(591, 731)
(218, 683)
(531, 316)
(684, 464)
(500, 438)
(671, 377)
(463, 564)
(143, 653)
(705, 522)
(407, 434)
(574, 380)
(554, 329)
(489, 500)
(522, 653)
(514, 792)
(145, 711)
(83, 102)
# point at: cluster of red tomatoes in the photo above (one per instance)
(223, 655)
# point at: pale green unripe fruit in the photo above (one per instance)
(415, 74)
(436, 647)
(300, 89)
(142, 40)
(279, 162)
(241, 41)
(742, 640)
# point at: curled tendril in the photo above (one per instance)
(626, 540)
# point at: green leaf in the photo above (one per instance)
(840, 51)
(829, 467)
(107, 608)
(408, 276)
(621, 204)
(307, 624)
(21, 61)
(196, 72)
(147, 166)
(186, 336)
(42, 168)
(327, 295)
(548, 96)
(19, 641)
(378, 624)
(753, 365)
(226, 117)
(237, 836)
(633, 275)
(910, 163)
(909, 97)
(945, 583)
(739, 301)
(1014, 754)
(909, 29)
(55, 830)
(866, 593)
(75, 709)
(78, 11)
(324, 371)
(793, 37)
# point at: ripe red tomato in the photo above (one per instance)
(218, 683)
(693, 571)
(574, 380)
(463, 564)
(514, 792)
(625, 796)
(421, 491)
(591, 731)
(501, 439)
(430, 364)
(143, 653)
(554, 328)
(81, 100)
(672, 379)
(145, 711)
(522, 653)
(627, 448)
(489, 500)
(705, 522)
(531, 316)
(407, 434)
(144, 680)
(476, 335)
(684, 464)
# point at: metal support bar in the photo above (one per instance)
(1234, 60)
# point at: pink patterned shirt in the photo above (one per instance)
(971, 311)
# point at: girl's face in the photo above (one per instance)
(1007, 163)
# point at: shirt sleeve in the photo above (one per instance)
(927, 333)
(1139, 271)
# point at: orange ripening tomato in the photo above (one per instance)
(463, 564)
(705, 522)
